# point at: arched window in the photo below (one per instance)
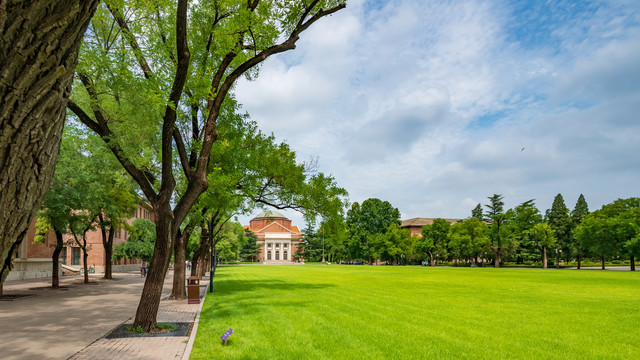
(284, 256)
(277, 255)
(268, 255)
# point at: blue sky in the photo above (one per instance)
(428, 104)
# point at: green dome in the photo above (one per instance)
(270, 215)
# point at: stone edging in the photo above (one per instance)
(194, 328)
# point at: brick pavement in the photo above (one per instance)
(71, 323)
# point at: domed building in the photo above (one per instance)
(278, 240)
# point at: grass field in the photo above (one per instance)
(377, 312)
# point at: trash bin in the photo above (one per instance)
(193, 290)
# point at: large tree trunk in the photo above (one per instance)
(579, 261)
(152, 290)
(544, 257)
(603, 263)
(496, 258)
(633, 263)
(107, 244)
(38, 55)
(431, 263)
(108, 253)
(55, 277)
(178, 291)
(195, 262)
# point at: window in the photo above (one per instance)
(64, 255)
(277, 245)
(285, 245)
(268, 255)
(284, 256)
(75, 256)
(268, 245)
(277, 255)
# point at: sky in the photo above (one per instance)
(436, 105)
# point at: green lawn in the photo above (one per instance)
(378, 312)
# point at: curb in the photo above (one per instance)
(194, 329)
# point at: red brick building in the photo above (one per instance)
(34, 260)
(415, 225)
(278, 240)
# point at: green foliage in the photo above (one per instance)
(166, 326)
(42, 230)
(140, 243)
(580, 211)
(469, 239)
(435, 238)
(250, 250)
(138, 329)
(613, 230)
(525, 217)
(559, 220)
(366, 221)
(392, 246)
(230, 240)
(477, 212)
(495, 207)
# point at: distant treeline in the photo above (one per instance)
(371, 233)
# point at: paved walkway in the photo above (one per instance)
(71, 322)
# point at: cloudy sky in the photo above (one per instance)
(436, 105)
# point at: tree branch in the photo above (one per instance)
(169, 118)
(144, 178)
(182, 152)
(144, 65)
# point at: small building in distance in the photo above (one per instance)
(278, 240)
(415, 225)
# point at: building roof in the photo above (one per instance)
(270, 215)
(415, 222)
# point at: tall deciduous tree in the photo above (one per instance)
(181, 62)
(612, 230)
(38, 55)
(438, 235)
(365, 221)
(544, 238)
(469, 239)
(140, 243)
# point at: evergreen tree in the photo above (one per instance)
(525, 217)
(477, 212)
(250, 250)
(495, 207)
(501, 243)
(579, 212)
(559, 220)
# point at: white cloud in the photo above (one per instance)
(428, 104)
